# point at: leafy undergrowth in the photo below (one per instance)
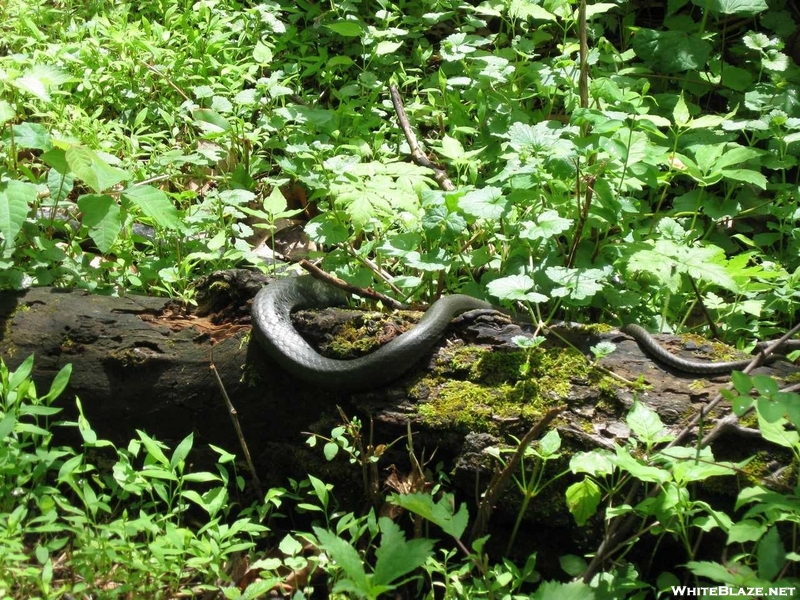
(135, 522)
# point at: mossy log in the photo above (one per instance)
(145, 363)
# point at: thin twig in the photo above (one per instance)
(419, 157)
(351, 289)
(238, 428)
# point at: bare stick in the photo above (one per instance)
(351, 289)
(419, 157)
(235, 419)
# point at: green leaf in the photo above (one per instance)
(515, 287)
(550, 444)
(153, 448)
(441, 512)
(30, 135)
(39, 80)
(346, 28)
(713, 570)
(102, 216)
(7, 425)
(397, 557)
(646, 424)
(155, 204)
(746, 176)
(211, 121)
(548, 224)
(671, 51)
(771, 555)
(60, 382)
(776, 430)
(595, 462)
(732, 7)
(583, 498)
(16, 200)
(330, 450)
(345, 556)
(93, 170)
(181, 452)
(554, 590)
(578, 284)
(625, 461)
(7, 112)
(747, 530)
(681, 112)
(18, 377)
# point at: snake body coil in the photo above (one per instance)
(272, 326)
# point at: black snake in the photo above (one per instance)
(272, 326)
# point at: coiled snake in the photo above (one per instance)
(272, 327)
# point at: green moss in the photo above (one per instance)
(496, 387)
(359, 336)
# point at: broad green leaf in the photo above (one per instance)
(775, 429)
(7, 112)
(93, 170)
(16, 200)
(732, 7)
(771, 554)
(345, 557)
(548, 224)
(155, 204)
(346, 28)
(550, 444)
(735, 154)
(671, 51)
(583, 498)
(29, 135)
(515, 287)
(681, 112)
(523, 9)
(102, 216)
(211, 121)
(59, 184)
(486, 203)
(714, 571)
(39, 80)
(555, 590)
(746, 530)
(595, 462)
(330, 450)
(578, 284)
(290, 546)
(441, 513)
(396, 557)
(746, 176)
(646, 424)
(628, 463)
(262, 53)
(387, 47)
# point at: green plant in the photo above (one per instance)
(69, 526)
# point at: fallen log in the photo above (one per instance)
(144, 363)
